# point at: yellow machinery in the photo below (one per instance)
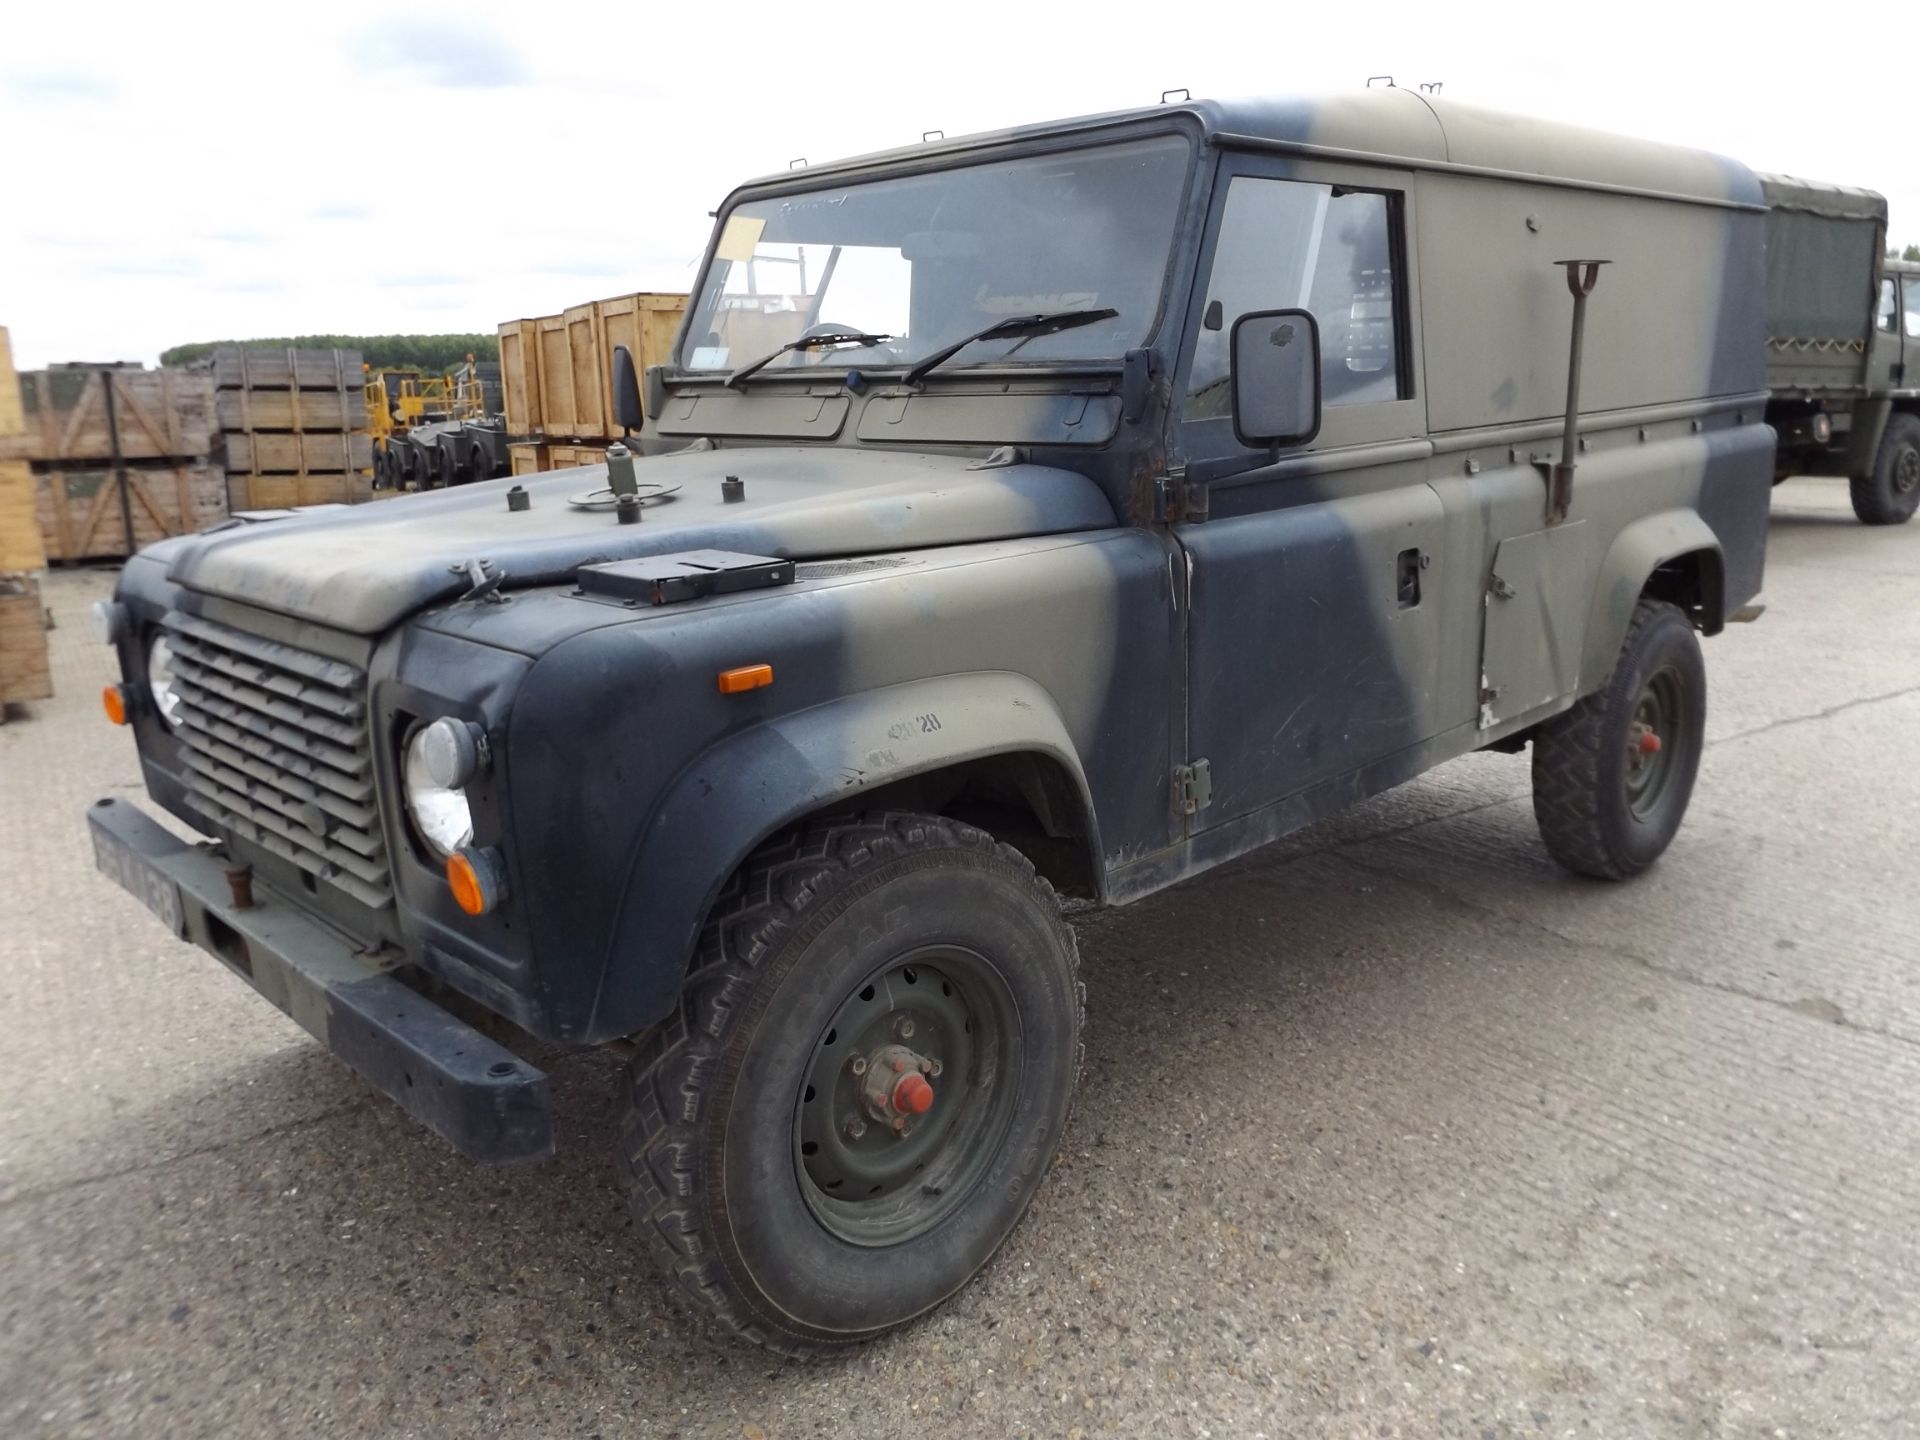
(401, 401)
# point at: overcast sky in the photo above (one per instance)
(182, 171)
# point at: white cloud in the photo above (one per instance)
(512, 160)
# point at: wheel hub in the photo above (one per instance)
(1656, 714)
(886, 1145)
(1906, 472)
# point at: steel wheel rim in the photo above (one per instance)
(1906, 471)
(865, 1183)
(1659, 712)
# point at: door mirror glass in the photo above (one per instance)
(1276, 378)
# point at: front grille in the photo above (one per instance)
(277, 752)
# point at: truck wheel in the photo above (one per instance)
(1612, 776)
(865, 1080)
(1891, 493)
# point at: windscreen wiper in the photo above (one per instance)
(1027, 327)
(806, 342)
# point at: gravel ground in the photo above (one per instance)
(1390, 1130)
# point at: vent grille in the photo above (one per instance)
(277, 752)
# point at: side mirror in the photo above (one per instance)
(626, 391)
(1276, 378)
(656, 387)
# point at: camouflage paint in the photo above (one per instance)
(1109, 601)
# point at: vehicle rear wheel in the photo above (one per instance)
(867, 1076)
(1891, 494)
(1612, 776)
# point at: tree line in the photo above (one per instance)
(434, 354)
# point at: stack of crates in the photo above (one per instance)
(293, 427)
(556, 375)
(24, 671)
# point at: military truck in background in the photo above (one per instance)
(1059, 511)
(1843, 345)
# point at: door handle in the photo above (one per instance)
(1406, 577)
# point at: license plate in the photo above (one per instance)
(141, 878)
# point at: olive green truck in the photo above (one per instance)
(1051, 513)
(1843, 345)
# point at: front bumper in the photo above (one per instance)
(482, 1098)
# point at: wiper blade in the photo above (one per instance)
(1027, 327)
(807, 342)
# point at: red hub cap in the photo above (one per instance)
(913, 1095)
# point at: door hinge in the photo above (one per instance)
(1192, 787)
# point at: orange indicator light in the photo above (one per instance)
(113, 700)
(744, 678)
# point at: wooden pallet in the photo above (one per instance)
(157, 413)
(528, 458)
(25, 671)
(80, 516)
(320, 451)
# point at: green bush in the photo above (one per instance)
(433, 354)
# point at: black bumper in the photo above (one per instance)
(488, 1102)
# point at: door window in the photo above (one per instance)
(1911, 287)
(1286, 244)
(1884, 314)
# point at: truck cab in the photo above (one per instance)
(1056, 512)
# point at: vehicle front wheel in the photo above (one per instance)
(1613, 775)
(867, 1075)
(1891, 494)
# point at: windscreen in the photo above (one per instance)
(929, 259)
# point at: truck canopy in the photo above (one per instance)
(1823, 262)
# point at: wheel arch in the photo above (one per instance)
(1672, 556)
(983, 747)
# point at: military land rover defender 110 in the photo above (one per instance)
(1061, 511)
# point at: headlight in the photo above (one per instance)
(166, 699)
(439, 812)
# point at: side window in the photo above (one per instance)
(1285, 244)
(1883, 316)
(1911, 287)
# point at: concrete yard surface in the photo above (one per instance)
(1393, 1129)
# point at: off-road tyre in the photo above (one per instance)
(716, 1099)
(1591, 801)
(1891, 493)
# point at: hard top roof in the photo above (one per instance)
(1395, 126)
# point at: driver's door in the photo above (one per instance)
(1316, 579)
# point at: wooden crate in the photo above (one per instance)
(284, 492)
(646, 324)
(306, 410)
(21, 547)
(318, 452)
(12, 420)
(159, 414)
(80, 515)
(528, 459)
(589, 385)
(520, 376)
(25, 673)
(556, 376)
(238, 367)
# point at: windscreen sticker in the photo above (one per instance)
(741, 234)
